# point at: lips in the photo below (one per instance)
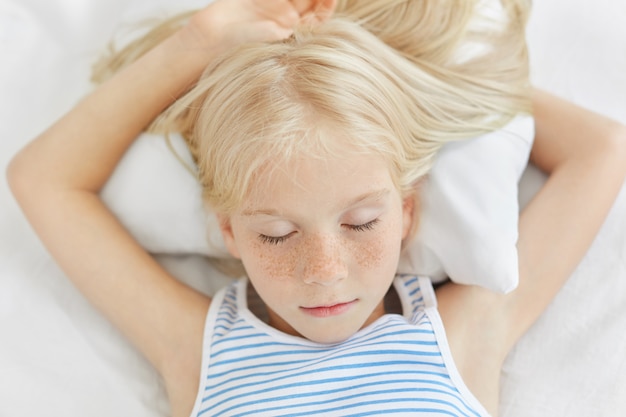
(328, 310)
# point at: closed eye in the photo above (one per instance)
(277, 240)
(362, 227)
(274, 240)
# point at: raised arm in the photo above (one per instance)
(57, 177)
(585, 156)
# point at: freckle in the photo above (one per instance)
(276, 267)
(370, 255)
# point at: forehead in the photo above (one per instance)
(315, 182)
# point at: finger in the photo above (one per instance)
(302, 6)
(269, 31)
(282, 12)
(324, 8)
(315, 10)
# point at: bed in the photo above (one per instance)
(60, 357)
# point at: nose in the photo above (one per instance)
(323, 261)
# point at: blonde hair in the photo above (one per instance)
(384, 77)
(478, 46)
(266, 104)
(437, 35)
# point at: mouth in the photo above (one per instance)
(328, 310)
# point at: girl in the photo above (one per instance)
(308, 152)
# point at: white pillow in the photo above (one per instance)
(159, 200)
(468, 220)
(469, 210)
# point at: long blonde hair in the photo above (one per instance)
(477, 46)
(266, 104)
(448, 93)
(390, 75)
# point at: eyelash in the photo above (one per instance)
(273, 240)
(276, 240)
(363, 227)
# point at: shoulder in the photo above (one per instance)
(480, 331)
(482, 327)
(187, 368)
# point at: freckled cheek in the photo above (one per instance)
(380, 250)
(368, 255)
(271, 262)
(306, 257)
(371, 251)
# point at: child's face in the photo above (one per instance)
(321, 244)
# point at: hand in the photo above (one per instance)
(315, 10)
(227, 23)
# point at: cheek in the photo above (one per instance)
(271, 262)
(370, 253)
(382, 250)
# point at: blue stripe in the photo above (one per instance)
(324, 381)
(349, 344)
(349, 397)
(227, 339)
(244, 347)
(325, 369)
(228, 320)
(411, 281)
(266, 355)
(298, 352)
(387, 410)
(375, 343)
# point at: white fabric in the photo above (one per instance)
(158, 199)
(59, 357)
(469, 211)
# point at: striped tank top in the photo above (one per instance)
(398, 365)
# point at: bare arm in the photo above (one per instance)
(57, 177)
(585, 155)
(56, 180)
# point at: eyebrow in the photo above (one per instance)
(371, 195)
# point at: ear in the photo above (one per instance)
(228, 235)
(409, 217)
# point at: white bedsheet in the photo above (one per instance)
(59, 357)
